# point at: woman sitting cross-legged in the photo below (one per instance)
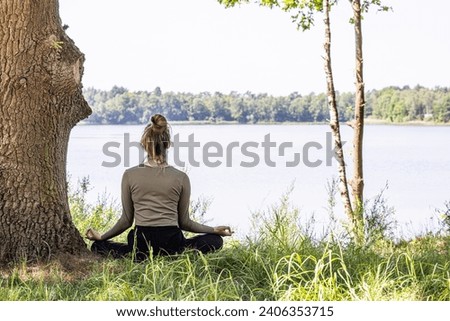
(155, 196)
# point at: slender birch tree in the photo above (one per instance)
(303, 12)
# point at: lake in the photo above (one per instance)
(242, 169)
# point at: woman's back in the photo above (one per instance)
(155, 194)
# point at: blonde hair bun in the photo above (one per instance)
(159, 123)
(156, 138)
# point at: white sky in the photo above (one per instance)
(198, 45)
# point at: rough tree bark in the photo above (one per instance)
(334, 116)
(40, 102)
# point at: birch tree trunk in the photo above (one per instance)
(334, 117)
(40, 102)
(357, 182)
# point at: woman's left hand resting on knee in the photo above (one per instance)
(93, 235)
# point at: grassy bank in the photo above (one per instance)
(282, 260)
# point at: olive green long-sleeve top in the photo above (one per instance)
(154, 196)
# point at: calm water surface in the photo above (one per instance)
(413, 160)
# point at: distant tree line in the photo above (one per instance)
(395, 104)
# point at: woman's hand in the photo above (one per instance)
(223, 230)
(93, 235)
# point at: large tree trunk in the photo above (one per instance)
(357, 182)
(40, 101)
(334, 117)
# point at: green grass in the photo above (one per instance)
(280, 261)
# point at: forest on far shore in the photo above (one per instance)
(392, 104)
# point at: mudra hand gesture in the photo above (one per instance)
(223, 230)
(93, 235)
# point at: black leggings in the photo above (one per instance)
(163, 240)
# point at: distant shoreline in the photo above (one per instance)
(372, 121)
(367, 121)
